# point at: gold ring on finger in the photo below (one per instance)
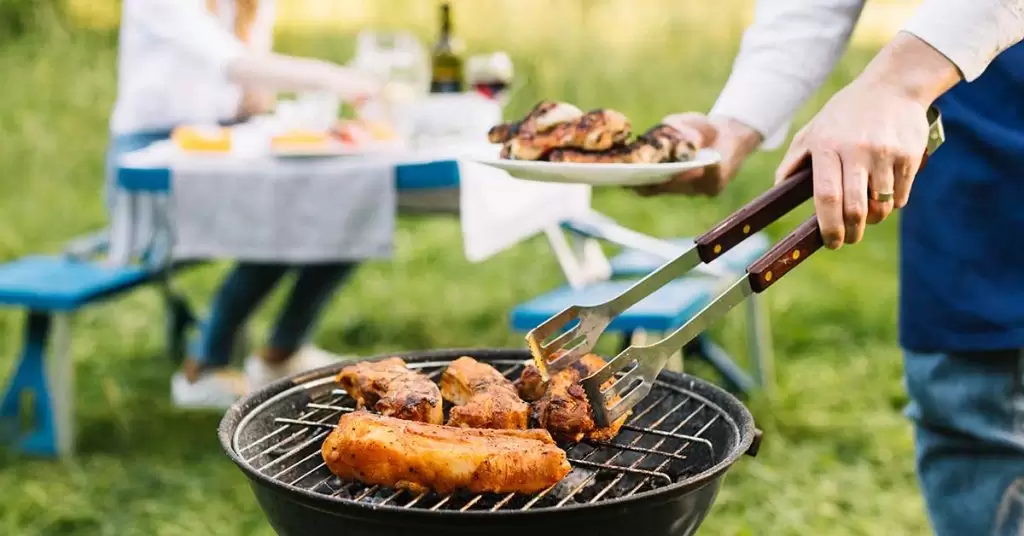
(882, 197)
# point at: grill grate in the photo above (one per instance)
(673, 435)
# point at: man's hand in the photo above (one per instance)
(867, 143)
(865, 147)
(732, 139)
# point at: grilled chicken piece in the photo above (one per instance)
(483, 397)
(543, 116)
(597, 130)
(531, 384)
(562, 407)
(391, 389)
(659, 144)
(415, 456)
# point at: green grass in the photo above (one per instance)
(837, 454)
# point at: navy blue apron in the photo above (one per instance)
(962, 232)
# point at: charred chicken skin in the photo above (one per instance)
(560, 406)
(545, 115)
(558, 132)
(659, 144)
(597, 130)
(391, 389)
(483, 398)
(416, 456)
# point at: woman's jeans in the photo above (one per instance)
(968, 412)
(248, 284)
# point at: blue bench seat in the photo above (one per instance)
(633, 263)
(54, 283)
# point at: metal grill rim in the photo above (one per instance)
(310, 448)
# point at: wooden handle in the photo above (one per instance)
(792, 250)
(764, 210)
(786, 255)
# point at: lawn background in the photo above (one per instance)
(837, 455)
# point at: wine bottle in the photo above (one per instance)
(446, 65)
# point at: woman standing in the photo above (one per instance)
(211, 61)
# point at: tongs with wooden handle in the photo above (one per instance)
(648, 361)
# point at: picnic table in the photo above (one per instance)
(252, 205)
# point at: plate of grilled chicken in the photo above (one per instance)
(558, 142)
(499, 436)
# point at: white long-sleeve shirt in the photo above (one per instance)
(172, 62)
(793, 45)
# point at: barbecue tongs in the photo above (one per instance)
(648, 361)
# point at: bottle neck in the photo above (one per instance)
(446, 20)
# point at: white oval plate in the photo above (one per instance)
(601, 174)
(334, 149)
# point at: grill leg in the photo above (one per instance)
(36, 410)
(736, 378)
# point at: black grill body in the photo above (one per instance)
(660, 477)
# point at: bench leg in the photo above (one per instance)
(38, 401)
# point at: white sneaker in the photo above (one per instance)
(213, 390)
(259, 373)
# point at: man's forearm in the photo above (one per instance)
(913, 68)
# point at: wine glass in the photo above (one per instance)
(400, 61)
(491, 75)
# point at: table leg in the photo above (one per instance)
(122, 228)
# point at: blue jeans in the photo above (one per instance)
(968, 414)
(243, 290)
(248, 284)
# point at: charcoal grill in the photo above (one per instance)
(659, 477)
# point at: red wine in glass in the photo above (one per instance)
(491, 89)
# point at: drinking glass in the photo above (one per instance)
(400, 61)
(491, 75)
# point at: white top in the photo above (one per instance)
(793, 45)
(172, 62)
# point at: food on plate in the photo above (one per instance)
(596, 130)
(551, 132)
(560, 405)
(205, 139)
(659, 144)
(542, 117)
(381, 131)
(415, 456)
(300, 138)
(483, 397)
(360, 132)
(390, 388)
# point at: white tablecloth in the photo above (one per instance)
(268, 210)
